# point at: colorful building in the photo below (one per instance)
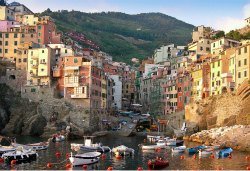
(39, 65)
(242, 62)
(221, 44)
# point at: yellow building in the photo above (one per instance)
(221, 44)
(196, 90)
(222, 72)
(9, 42)
(39, 66)
(30, 20)
(242, 61)
(6, 13)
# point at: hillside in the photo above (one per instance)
(124, 36)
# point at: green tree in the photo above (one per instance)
(234, 35)
(219, 34)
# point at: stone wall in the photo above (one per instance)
(14, 79)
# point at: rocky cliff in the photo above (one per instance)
(20, 116)
(223, 110)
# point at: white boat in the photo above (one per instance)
(152, 147)
(6, 149)
(38, 146)
(85, 159)
(161, 143)
(21, 155)
(153, 137)
(179, 149)
(171, 142)
(123, 150)
(88, 146)
(205, 152)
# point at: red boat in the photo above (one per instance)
(157, 164)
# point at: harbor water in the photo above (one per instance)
(140, 158)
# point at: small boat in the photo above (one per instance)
(6, 149)
(88, 146)
(205, 152)
(161, 143)
(171, 142)
(153, 137)
(157, 164)
(38, 146)
(224, 152)
(123, 150)
(58, 138)
(152, 147)
(21, 155)
(179, 149)
(85, 159)
(194, 150)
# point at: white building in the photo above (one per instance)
(117, 91)
(165, 53)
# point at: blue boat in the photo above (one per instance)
(195, 149)
(224, 152)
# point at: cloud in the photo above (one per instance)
(231, 23)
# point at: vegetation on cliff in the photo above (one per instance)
(122, 35)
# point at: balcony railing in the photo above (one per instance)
(79, 96)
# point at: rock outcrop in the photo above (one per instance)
(20, 116)
(236, 137)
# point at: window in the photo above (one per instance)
(239, 64)
(66, 51)
(220, 42)
(218, 74)
(25, 60)
(19, 60)
(239, 74)
(42, 69)
(208, 42)
(42, 51)
(214, 44)
(218, 63)
(39, 34)
(31, 35)
(6, 43)
(213, 75)
(239, 51)
(15, 43)
(7, 35)
(207, 49)
(201, 48)
(14, 50)
(213, 65)
(0, 50)
(245, 73)
(1, 43)
(1, 35)
(23, 35)
(245, 49)
(75, 60)
(39, 41)
(15, 35)
(245, 61)
(39, 27)
(6, 51)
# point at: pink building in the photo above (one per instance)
(5, 25)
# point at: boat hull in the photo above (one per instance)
(157, 164)
(20, 158)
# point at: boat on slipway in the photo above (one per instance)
(85, 158)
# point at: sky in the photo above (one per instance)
(219, 14)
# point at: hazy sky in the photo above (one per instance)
(220, 14)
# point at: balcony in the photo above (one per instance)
(79, 96)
